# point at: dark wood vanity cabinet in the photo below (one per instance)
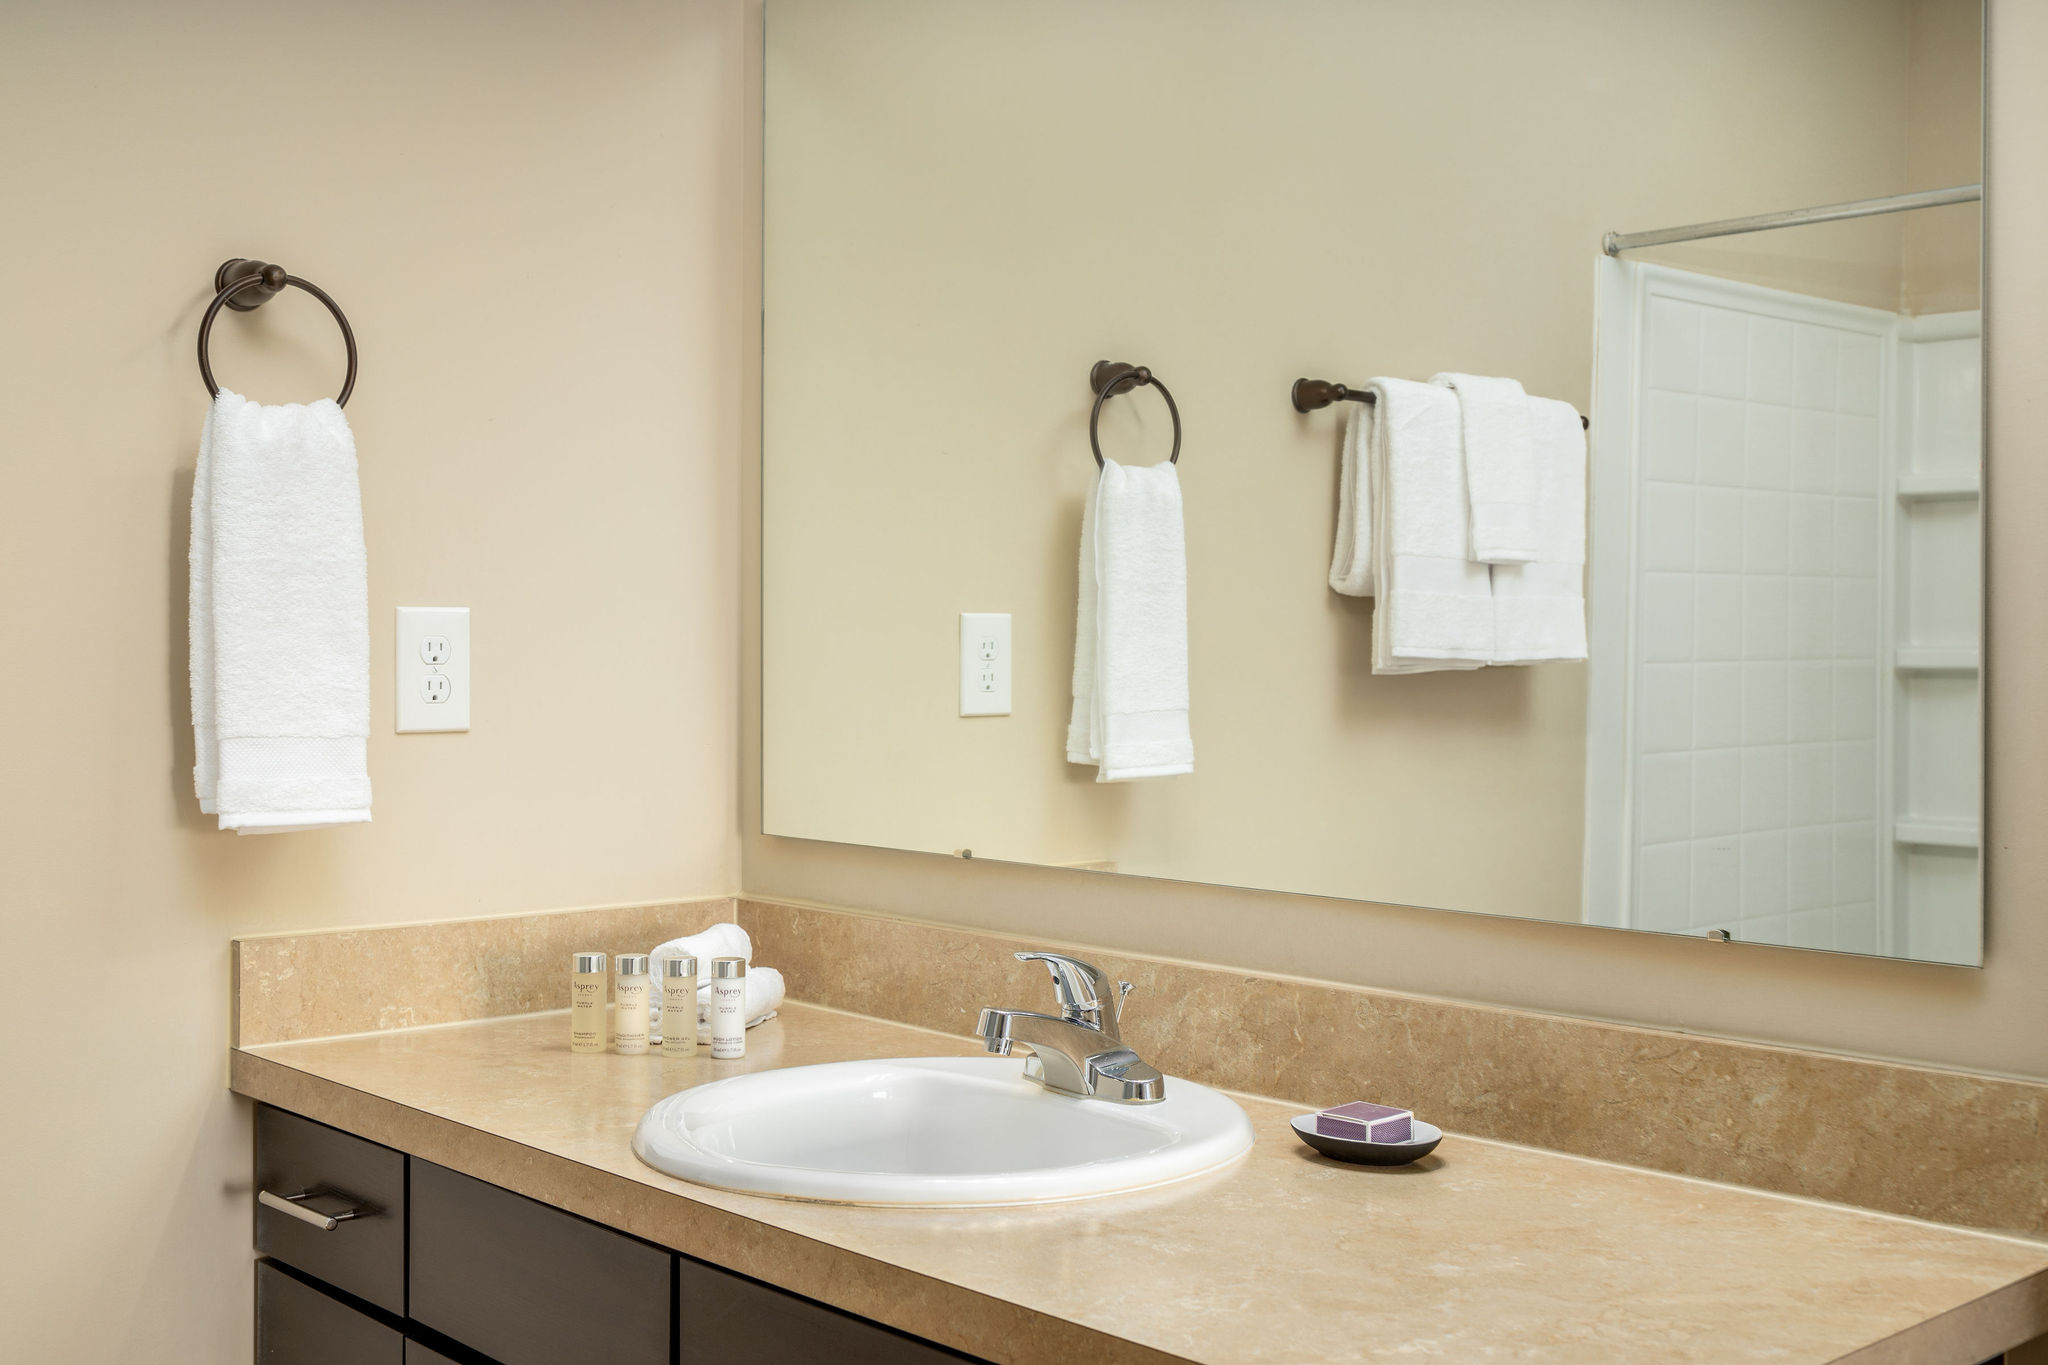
(300, 1323)
(527, 1284)
(364, 1256)
(728, 1318)
(432, 1267)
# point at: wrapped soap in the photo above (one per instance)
(1363, 1121)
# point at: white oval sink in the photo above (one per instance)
(937, 1131)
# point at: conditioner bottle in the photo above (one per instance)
(630, 991)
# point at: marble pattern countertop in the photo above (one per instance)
(1483, 1251)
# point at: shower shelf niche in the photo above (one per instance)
(1936, 731)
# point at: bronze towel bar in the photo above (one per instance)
(1310, 394)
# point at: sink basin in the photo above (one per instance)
(955, 1132)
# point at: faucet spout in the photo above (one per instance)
(1072, 1057)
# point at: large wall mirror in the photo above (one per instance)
(1774, 733)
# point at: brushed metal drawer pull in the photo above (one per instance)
(292, 1204)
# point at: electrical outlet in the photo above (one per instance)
(984, 663)
(433, 669)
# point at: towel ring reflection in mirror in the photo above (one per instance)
(1110, 377)
(258, 282)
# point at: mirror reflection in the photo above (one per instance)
(1707, 664)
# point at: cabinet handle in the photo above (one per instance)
(291, 1204)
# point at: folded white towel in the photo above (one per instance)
(1500, 467)
(1435, 603)
(1351, 564)
(1130, 713)
(1539, 608)
(279, 619)
(720, 940)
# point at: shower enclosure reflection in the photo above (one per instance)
(1784, 743)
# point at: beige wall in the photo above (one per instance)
(1944, 146)
(529, 212)
(949, 246)
(1995, 1019)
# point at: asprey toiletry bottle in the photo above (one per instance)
(629, 1023)
(586, 1003)
(728, 1008)
(679, 1007)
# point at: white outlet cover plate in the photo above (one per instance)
(425, 633)
(984, 663)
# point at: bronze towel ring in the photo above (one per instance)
(1108, 377)
(239, 276)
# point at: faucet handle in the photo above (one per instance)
(1079, 985)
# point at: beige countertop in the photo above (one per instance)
(1483, 1251)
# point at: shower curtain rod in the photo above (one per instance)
(1614, 243)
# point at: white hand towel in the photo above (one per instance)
(720, 940)
(764, 998)
(279, 619)
(1130, 713)
(1351, 563)
(1539, 608)
(1435, 603)
(1500, 466)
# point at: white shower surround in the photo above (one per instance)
(1752, 715)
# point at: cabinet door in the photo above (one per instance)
(363, 1256)
(297, 1324)
(527, 1284)
(725, 1318)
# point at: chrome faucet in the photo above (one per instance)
(1079, 1051)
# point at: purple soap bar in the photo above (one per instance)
(1365, 1122)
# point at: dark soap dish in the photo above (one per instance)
(1422, 1141)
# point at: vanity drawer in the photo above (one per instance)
(725, 1317)
(527, 1284)
(298, 1324)
(363, 1256)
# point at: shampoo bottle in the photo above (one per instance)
(586, 1003)
(630, 995)
(728, 1008)
(679, 1007)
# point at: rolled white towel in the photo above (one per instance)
(764, 997)
(720, 940)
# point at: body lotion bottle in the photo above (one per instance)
(631, 990)
(586, 1003)
(728, 1008)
